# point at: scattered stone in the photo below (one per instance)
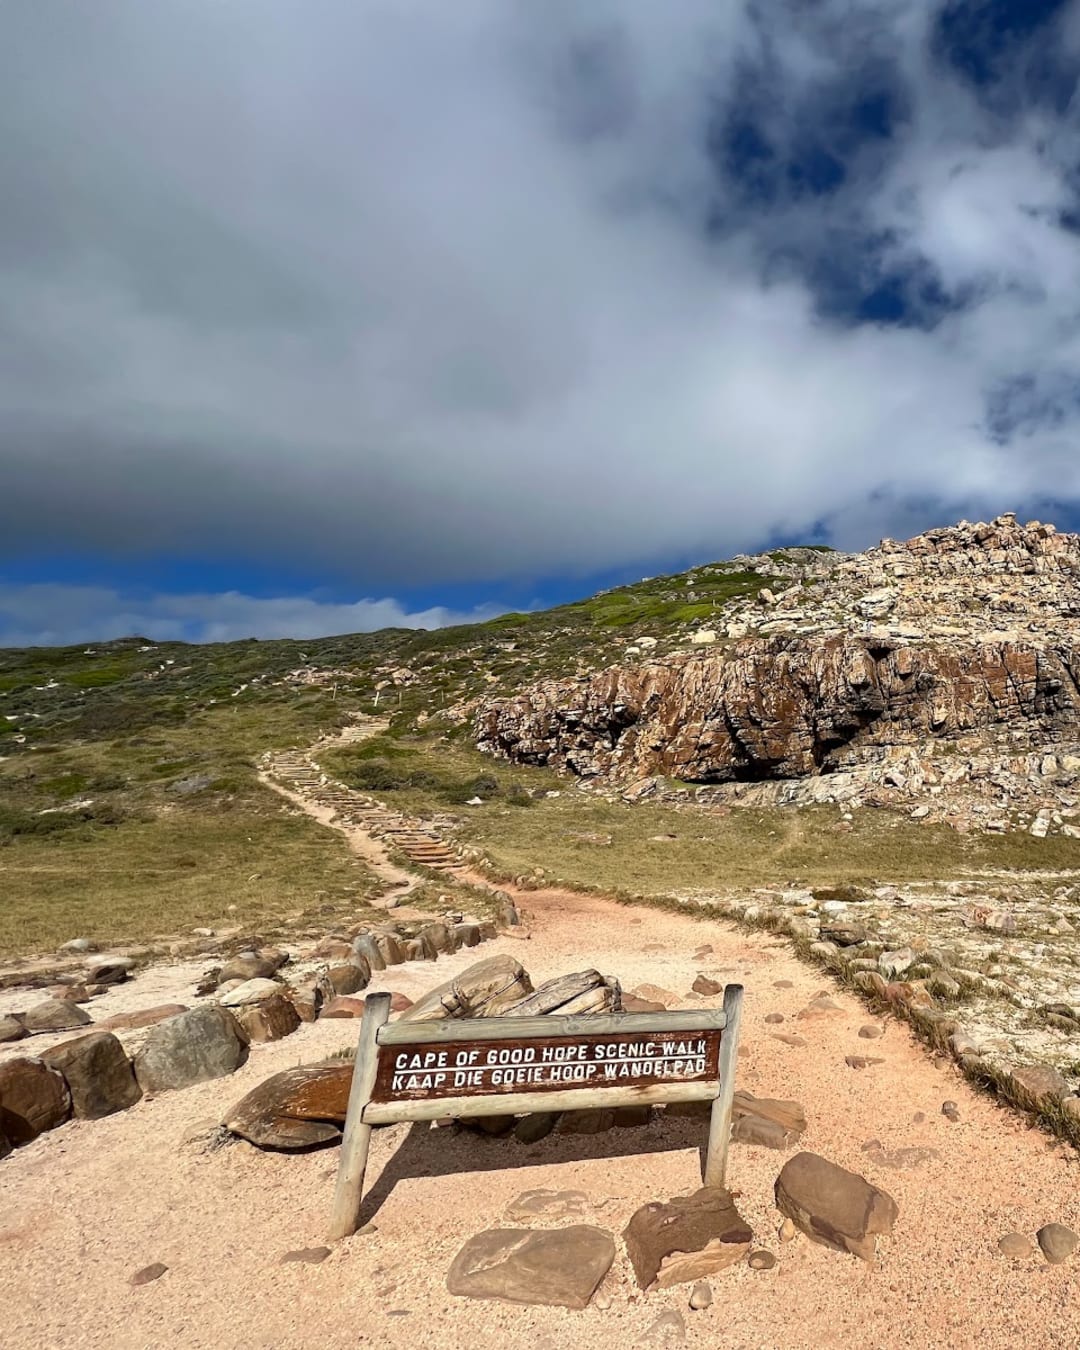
(786, 1231)
(78, 946)
(686, 1238)
(109, 969)
(820, 1006)
(55, 1014)
(632, 1004)
(33, 1098)
(548, 1204)
(950, 1111)
(249, 967)
(703, 951)
(559, 1267)
(537, 1125)
(703, 985)
(761, 1260)
(1017, 1245)
(145, 1017)
(250, 991)
(11, 1029)
(594, 1120)
(862, 1061)
(343, 1007)
(669, 1326)
(783, 984)
(366, 946)
(789, 1038)
(149, 1273)
(348, 979)
(870, 1032)
(98, 1074)
(833, 1206)
(774, 1019)
(1037, 1085)
(1057, 1242)
(843, 934)
(311, 1256)
(701, 1295)
(652, 993)
(899, 1159)
(894, 964)
(270, 1019)
(193, 1047)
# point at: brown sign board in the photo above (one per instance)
(415, 1071)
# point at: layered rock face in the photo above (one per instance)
(969, 634)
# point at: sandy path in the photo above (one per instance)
(86, 1205)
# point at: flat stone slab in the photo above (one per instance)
(296, 1108)
(560, 1267)
(686, 1239)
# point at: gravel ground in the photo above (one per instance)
(84, 1207)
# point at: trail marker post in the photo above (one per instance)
(494, 1066)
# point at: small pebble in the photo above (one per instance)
(786, 1231)
(1057, 1242)
(950, 1111)
(668, 1326)
(774, 1017)
(870, 1032)
(783, 984)
(1015, 1244)
(602, 1300)
(310, 1255)
(701, 1295)
(762, 1260)
(918, 1118)
(148, 1273)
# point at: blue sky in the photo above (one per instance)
(323, 318)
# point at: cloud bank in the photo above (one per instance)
(427, 292)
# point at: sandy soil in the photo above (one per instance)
(85, 1206)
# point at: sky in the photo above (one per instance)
(322, 317)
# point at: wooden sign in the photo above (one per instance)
(514, 1065)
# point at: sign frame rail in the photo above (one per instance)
(379, 1039)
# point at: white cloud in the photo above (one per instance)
(47, 615)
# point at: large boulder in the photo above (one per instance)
(484, 989)
(365, 945)
(33, 1098)
(98, 1074)
(142, 1017)
(351, 977)
(295, 1109)
(55, 1014)
(205, 1043)
(687, 1238)
(559, 1267)
(833, 1206)
(250, 991)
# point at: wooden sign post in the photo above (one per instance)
(513, 1065)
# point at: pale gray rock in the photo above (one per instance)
(193, 1047)
(559, 1267)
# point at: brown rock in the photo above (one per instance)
(149, 1273)
(774, 1019)
(819, 1006)
(11, 1029)
(548, 1204)
(1016, 1245)
(593, 1121)
(343, 1007)
(761, 1260)
(559, 1267)
(870, 1032)
(537, 1125)
(270, 1019)
(950, 1111)
(631, 1003)
(833, 1206)
(98, 1074)
(767, 1123)
(294, 1109)
(652, 993)
(1037, 1085)
(145, 1017)
(686, 1238)
(249, 967)
(1057, 1242)
(311, 1256)
(33, 1098)
(348, 979)
(789, 1038)
(54, 1015)
(862, 1061)
(632, 1117)
(703, 985)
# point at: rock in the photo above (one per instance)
(33, 1098)
(390, 948)
(348, 979)
(77, 946)
(821, 1005)
(773, 1019)
(789, 1038)
(703, 985)
(632, 1004)
(950, 1111)
(366, 946)
(558, 1267)
(269, 1019)
(786, 1231)
(899, 1159)
(310, 995)
(843, 934)
(652, 993)
(894, 964)
(548, 1204)
(193, 1047)
(701, 1295)
(537, 1125)
(1057, 1242)
(54, 1014)
(761, 1260)
(862, 1061)
(98, 1074)
(250, 991)
(870, 1032)
(1037, 1085)
(669, 1326)
(1016, 1245)
(343, 1007)
(311, 1256)
(248, 967)
(11, 1029)
(686, 1238)
(592, 1121)
(767, 1123)
(833, 1206)
(109, 969)
(149, 1273)
(632, 1117)
(482, 990)
(294, 1109)
(145, 1017)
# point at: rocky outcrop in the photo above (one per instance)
(969, 634)
(560, 1267)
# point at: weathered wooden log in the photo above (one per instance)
(485, 989)
(584, 992)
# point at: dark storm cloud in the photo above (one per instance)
(422, 291)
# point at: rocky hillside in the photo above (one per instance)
(939, 666)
